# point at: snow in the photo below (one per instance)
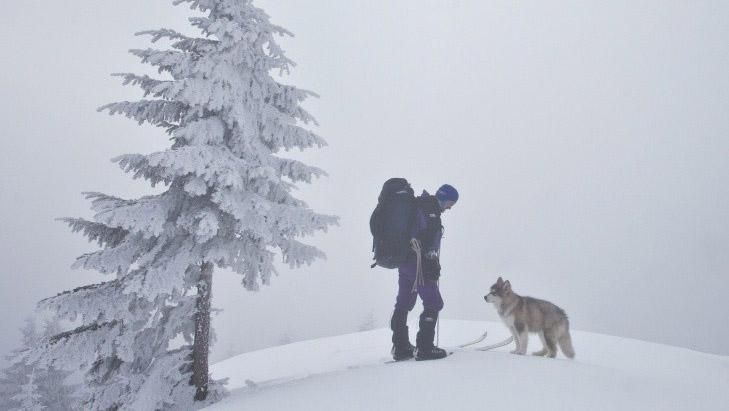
(348, 372)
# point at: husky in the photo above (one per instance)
(526, 314)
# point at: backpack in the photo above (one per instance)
(392, 222)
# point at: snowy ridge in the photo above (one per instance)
(348, 373)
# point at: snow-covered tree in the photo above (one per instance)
(26, 385)
(285, 337)
(368, 323)
(28, 398)
(227, 202)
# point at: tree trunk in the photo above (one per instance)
(201, 345)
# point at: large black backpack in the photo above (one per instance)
(391, 223)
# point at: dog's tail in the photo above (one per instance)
(565, 342)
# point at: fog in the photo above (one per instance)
(589, 143)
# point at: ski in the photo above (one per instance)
(461, 347)
(449, 353)
(434, 359)
(396, 361)
(497, 345)
(476, 341)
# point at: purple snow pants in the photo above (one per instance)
(429, 292)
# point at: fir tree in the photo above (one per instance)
(227, 202)
(28, 398)
(368, 323)
(26, 385)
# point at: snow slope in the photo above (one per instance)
(348, 373)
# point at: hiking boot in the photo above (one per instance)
(431, 353)
(426, 331)
(401, 347)
(403, 352)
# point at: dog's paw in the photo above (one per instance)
(540, 353)
(517, 352)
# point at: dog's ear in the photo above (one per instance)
(507, 286)
(499, 281)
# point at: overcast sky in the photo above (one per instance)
(589, 143)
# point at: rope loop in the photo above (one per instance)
(419, 279)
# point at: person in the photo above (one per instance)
(419, 275)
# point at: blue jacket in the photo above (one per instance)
(429, 235)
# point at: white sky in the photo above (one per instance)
(589, 143)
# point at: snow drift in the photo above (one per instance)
(348, 372)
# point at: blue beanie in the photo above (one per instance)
(446, 192)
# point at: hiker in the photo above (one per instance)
(427, 230)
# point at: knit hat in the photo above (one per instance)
(446, 192)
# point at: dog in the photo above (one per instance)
(526, 314)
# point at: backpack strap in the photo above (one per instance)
(430, 206)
